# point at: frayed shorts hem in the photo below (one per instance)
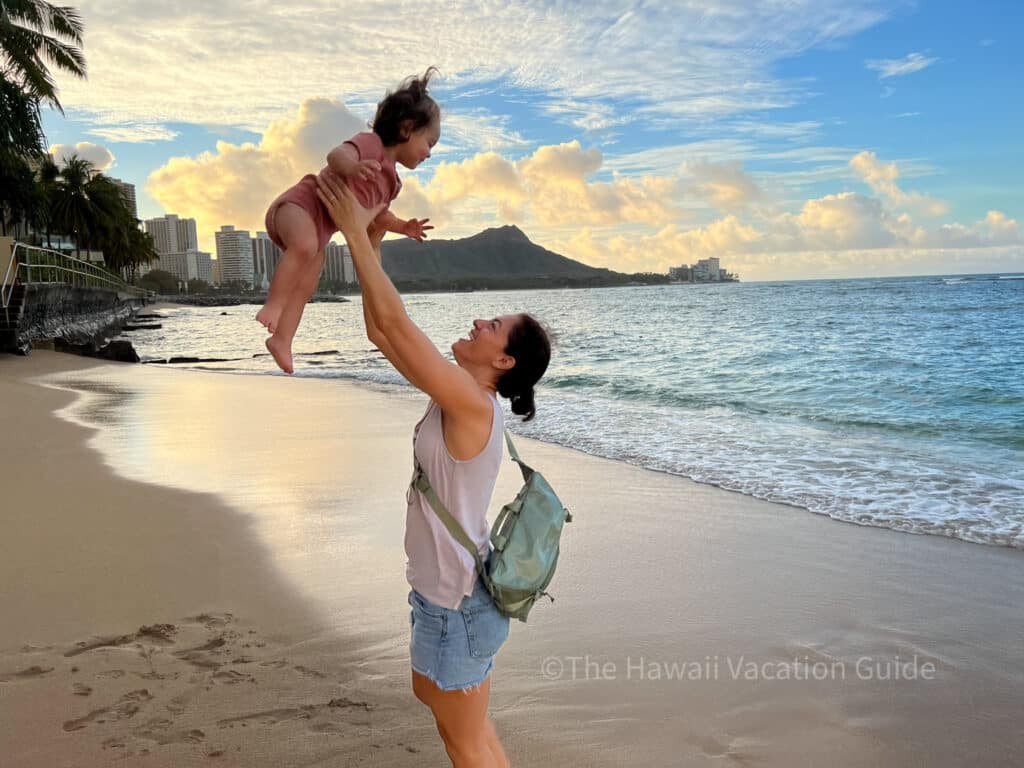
(461, 687)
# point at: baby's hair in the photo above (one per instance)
(411, 104)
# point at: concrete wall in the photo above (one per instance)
(79, 315)
(6, 252)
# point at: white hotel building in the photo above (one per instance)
(234, 255)
(177, 242)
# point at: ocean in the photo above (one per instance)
(894, 402)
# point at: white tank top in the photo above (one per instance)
(439, 567)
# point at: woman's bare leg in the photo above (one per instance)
(280, 344)
(297, 232)
(461, 716)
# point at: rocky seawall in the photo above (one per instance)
(72, 316)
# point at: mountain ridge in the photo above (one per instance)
(499, 252)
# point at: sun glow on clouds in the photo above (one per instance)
(100, 157)
(635, 139)
(642, 222)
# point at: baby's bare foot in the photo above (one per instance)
(281, 352)
(269, 316)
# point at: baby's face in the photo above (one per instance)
(417, 148)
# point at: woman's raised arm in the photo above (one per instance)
(451, 387)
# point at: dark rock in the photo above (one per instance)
(149, 317)
(152, 327)
(86, 349)
(120, 350)
(175, 360)
(222, 314)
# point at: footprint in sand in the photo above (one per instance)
(202, 655)
(181, 702)
(160, 731)
(211, 620)
(231, 677)
(125, 708)
(344, 702)
(155, 633)
(26, 674)
(269, 717)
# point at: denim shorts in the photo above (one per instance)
(456, 649)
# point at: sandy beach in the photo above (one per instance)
(204, 568)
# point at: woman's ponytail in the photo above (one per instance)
(530, 345)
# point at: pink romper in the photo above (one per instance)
(382, 188)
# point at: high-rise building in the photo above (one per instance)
(234, 254)
(172, 234)
(334, 262)
(707, 270)
(177, 242)
(266, 255)
(187, 265)
(128, 193)
(349, 268)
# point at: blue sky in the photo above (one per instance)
(818, 139)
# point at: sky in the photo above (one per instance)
(793, 139)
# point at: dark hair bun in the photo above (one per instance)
(522, 404)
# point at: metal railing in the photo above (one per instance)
(39, 265)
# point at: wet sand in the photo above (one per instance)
(235, 592)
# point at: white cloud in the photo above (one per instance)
(245, 64)
(725, 185)
(567, 198)
(477, 131)
(139, 133)
(912, 62)
(882, 177)
(100, 157)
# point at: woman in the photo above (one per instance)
(456, 628)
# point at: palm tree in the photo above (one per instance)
(21, 129)
(72, 212)
(34, 33)
(89, 206)
(46, 178)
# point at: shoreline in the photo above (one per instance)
(699, 572)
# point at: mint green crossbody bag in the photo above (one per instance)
(525, 537)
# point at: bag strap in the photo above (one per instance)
(422, 484)
(514, 454)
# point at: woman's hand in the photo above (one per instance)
(345, 210)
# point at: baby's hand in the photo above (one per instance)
(367, 169)
(416, 229)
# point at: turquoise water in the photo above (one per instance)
(896, 402)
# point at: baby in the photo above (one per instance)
(406, 127)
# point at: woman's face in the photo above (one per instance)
(486, 341)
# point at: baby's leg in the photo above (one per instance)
(280, 344)
(296, 230)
